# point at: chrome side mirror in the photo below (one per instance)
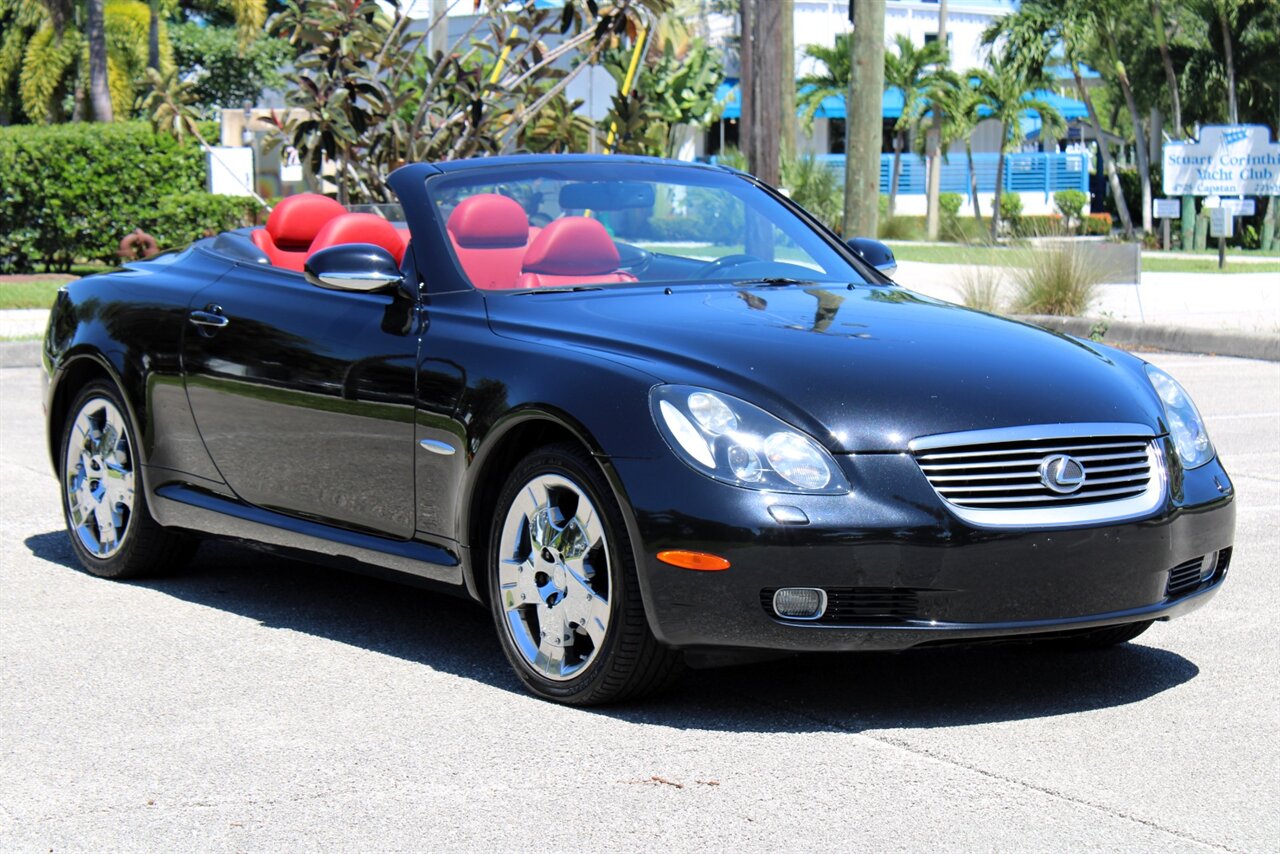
(353, 267)
(874, 253)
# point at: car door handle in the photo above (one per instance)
(210, 317)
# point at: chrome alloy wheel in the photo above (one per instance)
(553, 577)
(98, 477)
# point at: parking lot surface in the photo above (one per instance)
(254, 703)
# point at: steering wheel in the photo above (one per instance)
(724, 263)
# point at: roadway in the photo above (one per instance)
(255, 703)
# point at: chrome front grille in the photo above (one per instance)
(1054, 474)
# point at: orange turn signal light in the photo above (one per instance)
(694, 560)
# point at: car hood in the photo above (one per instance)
(861, 369)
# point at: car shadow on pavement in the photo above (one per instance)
(853, 692)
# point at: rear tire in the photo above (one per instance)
(563, 588)
(103, 502)
(1096, 638)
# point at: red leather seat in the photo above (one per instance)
(573, 250)
(360, 228)
(292, 226)
(490, 234)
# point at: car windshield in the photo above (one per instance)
(589, 225)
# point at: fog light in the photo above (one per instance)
(800, 603)
(1208, 566)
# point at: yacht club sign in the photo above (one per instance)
(1227, 160)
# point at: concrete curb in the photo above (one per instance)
(1176, 339)
(19, 354)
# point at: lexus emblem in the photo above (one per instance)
(1062, 473)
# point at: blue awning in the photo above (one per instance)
(729, 94)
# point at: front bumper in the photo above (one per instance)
(893, 538)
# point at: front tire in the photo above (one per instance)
(103, 502)
(563, 586)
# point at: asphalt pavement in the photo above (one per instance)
(254, 703)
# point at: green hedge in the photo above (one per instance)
(71, 192)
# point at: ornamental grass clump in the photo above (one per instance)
(980, 286)
(1058, 278)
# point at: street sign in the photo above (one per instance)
(1239, 207)
(1227, 160)
(1221, 222)
(1166, 208)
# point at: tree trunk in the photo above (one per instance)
(897, 172)
(973, 183)
(1229, 57)
(763, 125)
(786, 37)
(1170, 76)
(865, 105)
(933, 147)
(99, 90)
(1140, 143)
(153, 36)
(995, 210)
(1105, 152)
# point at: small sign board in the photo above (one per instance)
(1239, 207)
(1227, 160)
(230, 171)
(1166, 208)
(1221, 222)
(290, 165)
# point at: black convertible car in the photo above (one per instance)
(643, 411)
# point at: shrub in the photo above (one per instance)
(814, 187)
(71, 191)
(901, 228)
(184, 218)
(1096, 225)
(1070, 203)
(949, 204)
(1038, 225)
(1061, 278)
(1010, 207)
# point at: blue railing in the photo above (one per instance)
(1023, 172)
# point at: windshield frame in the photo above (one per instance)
(577, 169)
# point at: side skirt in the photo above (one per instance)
(179, 505)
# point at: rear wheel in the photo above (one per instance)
(1097, 638)
(103, 502)
(563, 587)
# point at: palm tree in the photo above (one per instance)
(1005, 92)
(914, 71)
(1029, 37)
(960, 106)
(44, 57)
(831, 81)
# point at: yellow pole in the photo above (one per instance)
(627, 83)
(502, 57)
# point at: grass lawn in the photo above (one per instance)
(1206, 265)
(37, 293)
(994, 256)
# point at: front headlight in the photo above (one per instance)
(1185, 424)
(733, 441)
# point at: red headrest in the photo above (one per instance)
(360, 228)
(489, 221)
(296, 220)
(572, 246)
